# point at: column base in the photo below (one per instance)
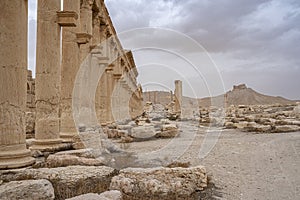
(49, 145)
(68, 137)
(15, 159)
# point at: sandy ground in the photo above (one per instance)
(242, 165)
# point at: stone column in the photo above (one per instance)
(178, 96)
(171, 96)
(47, 76)
(69, 69)
(86, 27)
(13, 75)
(110, 80)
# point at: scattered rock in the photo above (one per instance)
(168, 131)
(27, 190)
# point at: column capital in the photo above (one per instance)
(67, 18)
(83, 38)
(87, 4)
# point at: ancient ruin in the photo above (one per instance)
(81, 127)
(13, 74)
(83, 24)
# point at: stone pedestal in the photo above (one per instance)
(13, 75)
(47, 76)
(69, 69)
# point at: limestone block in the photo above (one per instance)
(27, 190)
(143, 132)
(67, 18)
(241, 125)
(254, 127)
(296, 112)
(67, 181)
(69, 160)
(286, 128)
(168, 131)
(83, 38)
(229, 125)
(160, 183)
(108, 195)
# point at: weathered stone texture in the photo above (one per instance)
(27, 190)
(67, 181)
(109, 195)
(13, 73)
(160, 183)
(47, 75)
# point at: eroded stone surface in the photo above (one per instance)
(160, 183)
(67, 181)
(27, 190)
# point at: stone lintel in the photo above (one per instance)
(83, 38)
(67, 18)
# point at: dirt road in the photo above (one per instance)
(242, 165)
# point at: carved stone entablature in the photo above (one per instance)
(83, 38)
(67, 18)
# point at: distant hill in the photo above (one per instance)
(242, 95)
(239, 95)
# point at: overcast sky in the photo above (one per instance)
(256, 42)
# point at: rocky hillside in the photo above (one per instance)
(239, 95)
(242, 95)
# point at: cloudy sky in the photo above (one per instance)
(209, 43)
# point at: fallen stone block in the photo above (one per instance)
(286, 128)
(143, 132)
(69, 160)
(160, 183)
(108, 195)
(258, 128)
(27, 190)
(67, 181)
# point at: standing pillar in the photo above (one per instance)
(178, 97)
(171, 96)
(47, 76)
(69, 69)
(13, 75)
(109, 79)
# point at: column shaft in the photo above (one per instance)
(47, 76)
(70, 66)
(13, 74)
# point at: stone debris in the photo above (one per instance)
(108, 195)
(27, 190)
(68, 160)
(168, 131)
(67, 181)
(143, 132)
(160, 183)
(255, 118)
